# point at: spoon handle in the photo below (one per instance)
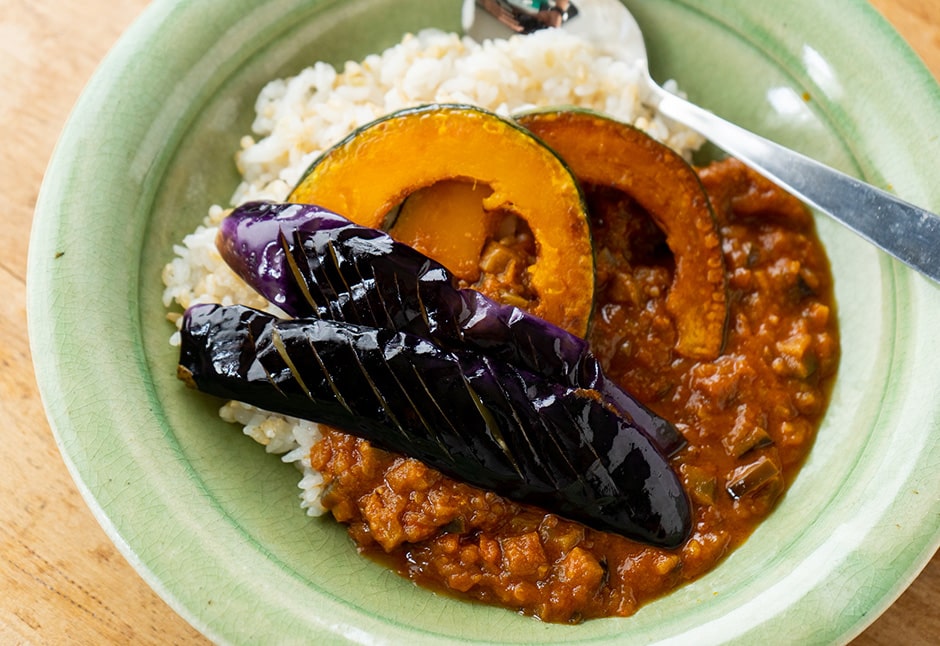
(907, 232)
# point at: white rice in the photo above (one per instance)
(299, 117)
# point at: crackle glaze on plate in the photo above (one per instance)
(213, 523)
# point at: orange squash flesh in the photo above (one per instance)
(605, 152)
(456, 209)
(368, 174)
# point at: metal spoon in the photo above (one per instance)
(907, 232)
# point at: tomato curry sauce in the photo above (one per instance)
(749, 418)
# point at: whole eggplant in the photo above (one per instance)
(472, 416)
(313, 262)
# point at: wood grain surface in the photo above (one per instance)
(61, 579)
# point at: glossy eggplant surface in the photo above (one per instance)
(314, 263)
(473, 416)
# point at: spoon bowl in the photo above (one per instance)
(905, 231)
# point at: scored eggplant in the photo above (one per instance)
(312, 262)
(472, 416)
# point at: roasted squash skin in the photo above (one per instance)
(605, 152)
(367, 175)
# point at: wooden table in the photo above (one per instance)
(61, 579)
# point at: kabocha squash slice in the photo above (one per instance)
(367, 175)
(605, 152)
(456, 208)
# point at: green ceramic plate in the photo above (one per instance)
(213, 523)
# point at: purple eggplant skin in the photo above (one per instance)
(312, 262)
(473, 417)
